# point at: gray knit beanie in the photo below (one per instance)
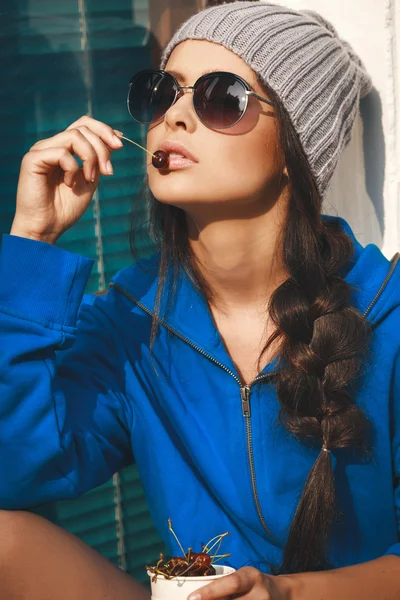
(299, 55)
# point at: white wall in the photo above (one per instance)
(366, 186)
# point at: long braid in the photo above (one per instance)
(322, 342)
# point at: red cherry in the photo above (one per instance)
(176, 565)
(160, 159)
(199, 562)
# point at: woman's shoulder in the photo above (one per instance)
(374, 279)
(375, 283)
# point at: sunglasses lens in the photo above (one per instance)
(151, 94)
(220, 101)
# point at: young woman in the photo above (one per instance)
(251, 367)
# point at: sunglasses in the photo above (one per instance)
(220, 99)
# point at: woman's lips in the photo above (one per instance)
(179, 157)
(177, 162)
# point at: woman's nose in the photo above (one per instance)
(182, 111)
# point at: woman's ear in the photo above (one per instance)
(285, 171)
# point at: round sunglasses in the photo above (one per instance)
(220, 99)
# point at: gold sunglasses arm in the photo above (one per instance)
(259, 98)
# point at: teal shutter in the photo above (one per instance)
(61, 60)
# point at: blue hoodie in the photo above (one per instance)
(81, 395)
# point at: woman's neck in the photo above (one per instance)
(240, 258)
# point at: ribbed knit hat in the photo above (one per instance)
(299, 55)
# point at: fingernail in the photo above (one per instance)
(109, 168)
(119, 133)
(117, 141)
(194, 597)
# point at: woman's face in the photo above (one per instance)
(240, 165)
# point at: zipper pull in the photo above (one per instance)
(245, 395)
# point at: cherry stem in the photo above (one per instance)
(175, 536)
(220, 558)
(208, 549)
(217, 549)
(136, 144)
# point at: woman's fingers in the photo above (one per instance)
(53, 162)
(221, 588)
(74, 141)
(41, 161)
(103, 151)
(106, 133)
(92, 141)
(245, 582)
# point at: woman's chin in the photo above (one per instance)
(177, 195)
(179, 202)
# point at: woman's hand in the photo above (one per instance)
(53, 192)
(245, 583)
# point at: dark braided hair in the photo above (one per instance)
(322, 342)
(322, 339)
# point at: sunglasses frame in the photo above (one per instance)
(179, 93)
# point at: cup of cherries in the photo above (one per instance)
(179, 576)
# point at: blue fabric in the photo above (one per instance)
(81, 398)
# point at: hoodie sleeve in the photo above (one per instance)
(63, 416)
(395, 548)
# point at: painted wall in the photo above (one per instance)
(366, 187)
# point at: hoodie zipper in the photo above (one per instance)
(245, 391)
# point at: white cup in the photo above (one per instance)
(179, 588)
